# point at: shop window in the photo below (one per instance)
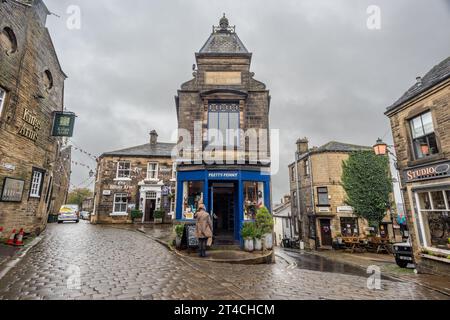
(123, 170)
(223, 124)
(424, 138)
(152, 171)
(2, 99)
(434, 208)
(37, 179)
(323, 196)
(8, 41)
(349, 227)
(120, 203)
(192, 197)
(253, 198)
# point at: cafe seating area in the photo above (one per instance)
(359, 244)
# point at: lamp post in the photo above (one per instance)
(382, 149)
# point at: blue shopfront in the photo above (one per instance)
(230, 196)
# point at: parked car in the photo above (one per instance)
(69, 213)
(85, 215)
(403, 254)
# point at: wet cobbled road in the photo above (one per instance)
(83, 261)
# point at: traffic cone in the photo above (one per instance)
(10, 241)
(19, 240)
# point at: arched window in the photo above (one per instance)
(8, 41)
(48, 80)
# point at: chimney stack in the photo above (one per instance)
(302, 145)
(153, 137)
(419, 81)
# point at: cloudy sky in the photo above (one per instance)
(330, 76)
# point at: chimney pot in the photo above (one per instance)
(302, 145)
(153, 137)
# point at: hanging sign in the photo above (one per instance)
(63, 124)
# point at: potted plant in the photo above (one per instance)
(136, 214)
(248, 233)
(258, 239)
(264, 222)
(158, 216)
(179, 231)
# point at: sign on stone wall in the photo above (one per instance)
(12, 190)
(429, 172)
(31, 126)
(223, 78)
(63, 124)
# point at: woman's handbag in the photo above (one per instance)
(210, 242)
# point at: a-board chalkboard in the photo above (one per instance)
(191, 237)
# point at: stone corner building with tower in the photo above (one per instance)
(420, 122)
(31, 91)
(223, 95)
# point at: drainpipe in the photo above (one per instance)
(300, 232)
(313, 201)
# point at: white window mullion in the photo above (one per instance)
(422, 227)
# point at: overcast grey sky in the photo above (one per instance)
(331, 78)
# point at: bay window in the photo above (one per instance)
(434, 220)
(423, 136)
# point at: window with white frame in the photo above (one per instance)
(2, 99)
(434, 209)
(123, 170)
(36, 183)
(120, 203)
(152, 171)
(424, 138)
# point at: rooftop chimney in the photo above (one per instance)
(419, 81)
(153, 137)
(302, 145)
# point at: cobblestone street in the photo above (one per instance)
(122, 264)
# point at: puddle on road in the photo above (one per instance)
(313, 262)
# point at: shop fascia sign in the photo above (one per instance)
(230, 175)
(434, 171)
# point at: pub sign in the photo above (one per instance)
(63, 124)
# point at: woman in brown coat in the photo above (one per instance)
(203, 228)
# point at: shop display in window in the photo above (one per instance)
(193, 197)
(253, 199)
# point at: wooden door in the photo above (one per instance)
(325, 232)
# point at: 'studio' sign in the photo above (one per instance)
(428, 172)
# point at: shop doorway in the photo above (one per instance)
(325, 233)
(150, 206)
(223, 208)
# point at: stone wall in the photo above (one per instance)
(31, 97)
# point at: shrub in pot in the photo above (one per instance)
(158, 216)
(136, 214)
(264, 222)
(179, 231)
(248, 233)
(258, 240)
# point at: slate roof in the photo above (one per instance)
(146, 150)
(436, 75)
(335, 146)
(224, 40)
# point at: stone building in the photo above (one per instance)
(282, 217)
(218, 111)
(31, 90)
(420, 122)
(61, 180)
(138, 178)
(318, 197)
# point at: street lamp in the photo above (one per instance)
(380, 148)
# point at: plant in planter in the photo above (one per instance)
(258, 239)
(136, 214)
(179, 231)
(158, 216)
(264, 222)
(248, 233)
